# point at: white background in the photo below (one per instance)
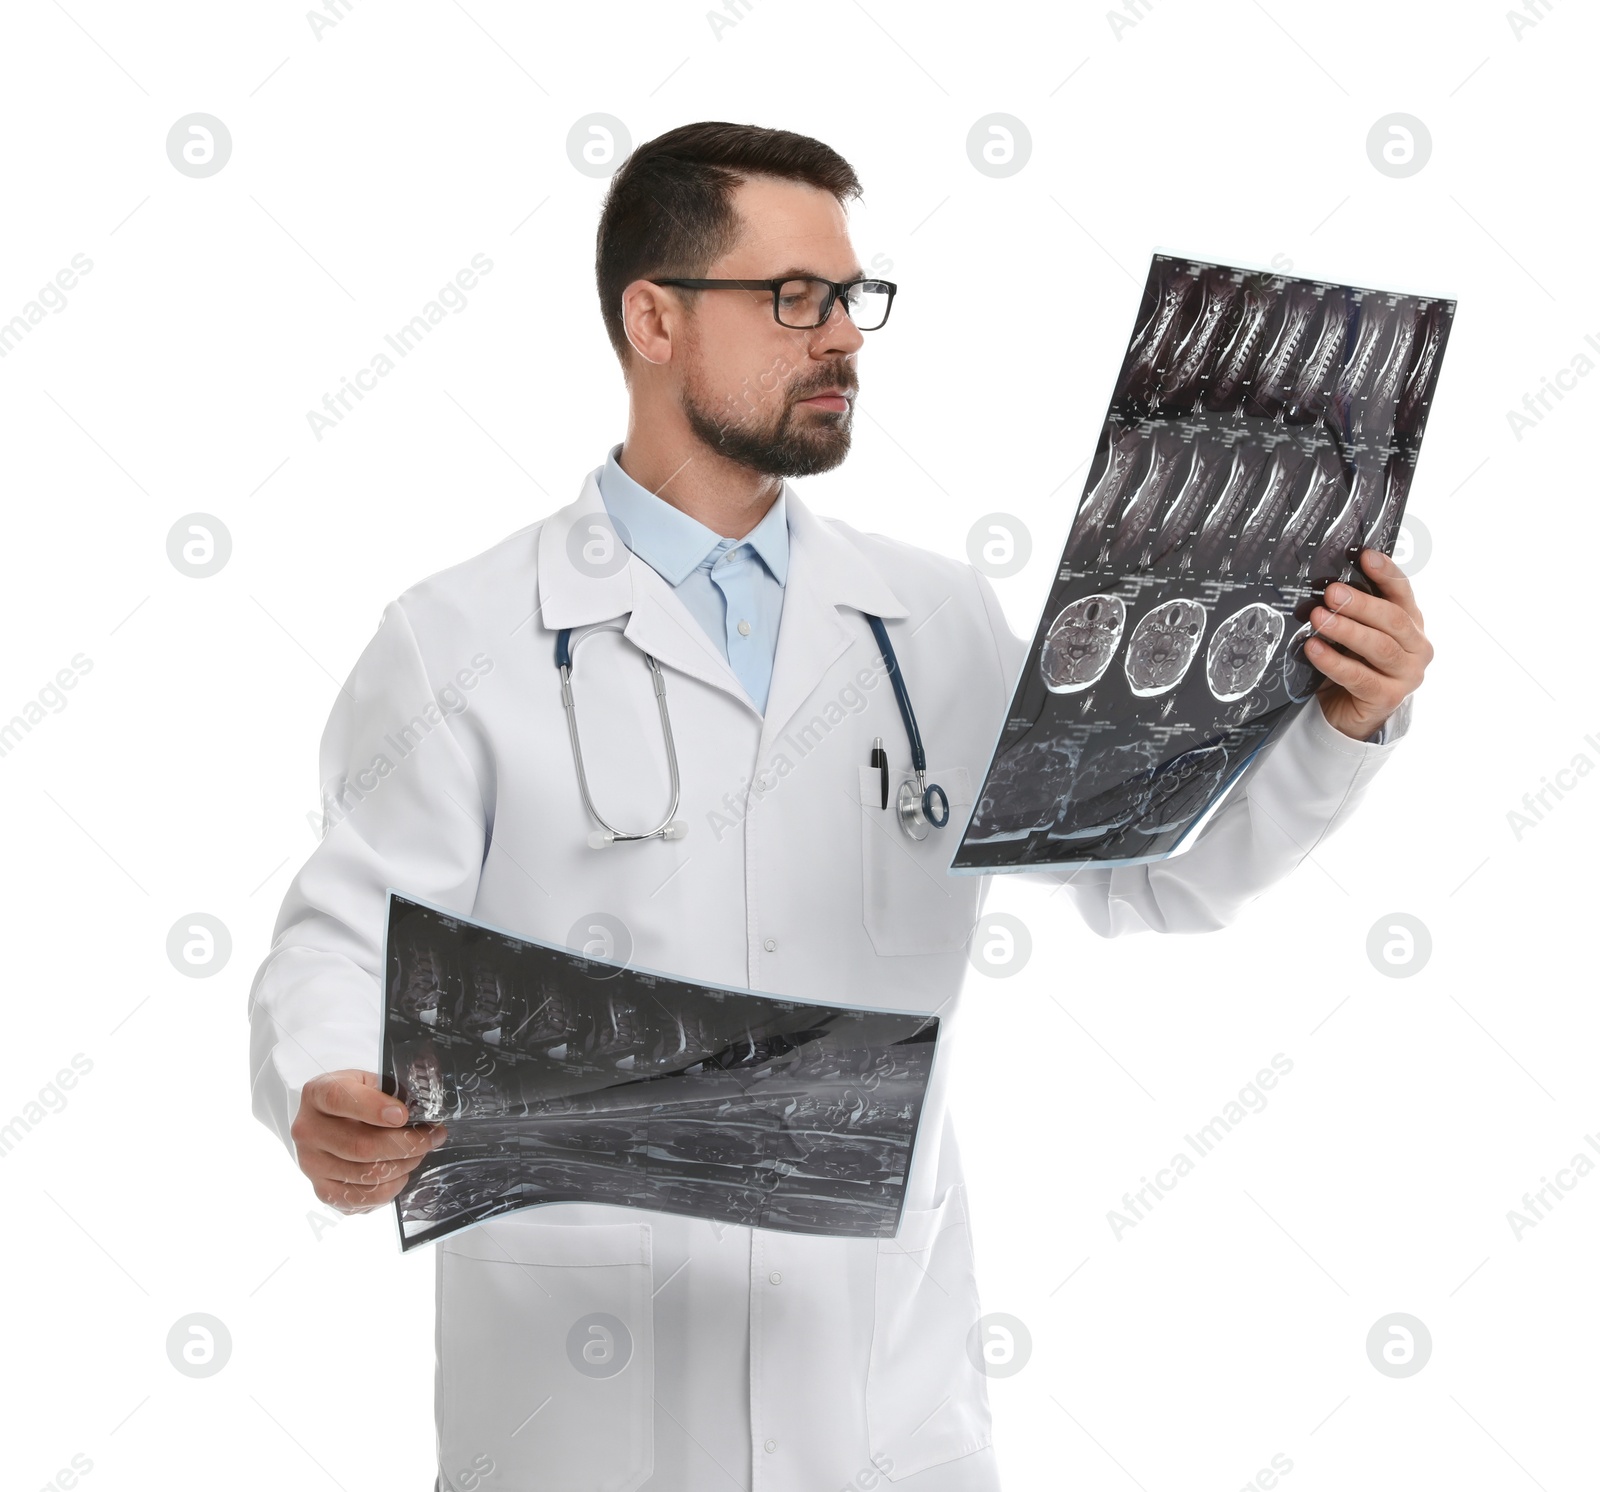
(368, 167)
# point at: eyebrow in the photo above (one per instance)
(799, 272)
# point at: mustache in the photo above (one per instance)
(848, 384)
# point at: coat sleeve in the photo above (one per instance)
(402, 807)
(1300, 787)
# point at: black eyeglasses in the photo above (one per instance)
(807, 302)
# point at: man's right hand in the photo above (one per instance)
(353, 1142)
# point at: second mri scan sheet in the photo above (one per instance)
(561, 1078)
(1262, 431)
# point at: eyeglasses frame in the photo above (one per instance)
(835, 290)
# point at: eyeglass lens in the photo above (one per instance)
(801, 302)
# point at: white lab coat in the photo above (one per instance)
(793, 1363)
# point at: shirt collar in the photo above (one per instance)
(671, 542)
(832, 561)
(770, 538)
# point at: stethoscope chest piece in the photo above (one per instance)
(919, 805)
(921, 808)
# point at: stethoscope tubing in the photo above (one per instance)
(658, 679)
(927, 793)
(919, 759)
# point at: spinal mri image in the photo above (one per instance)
(1263, 430)
(562, 1078)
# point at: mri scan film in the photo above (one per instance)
(1263, 430)
(562, 1078)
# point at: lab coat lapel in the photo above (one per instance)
(658, 622)
(664, 627)
(826, 571)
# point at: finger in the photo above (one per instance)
(354, 1095)
(367, 1144)
(1357, 679)
(1392, 581)
(1372, 646)
(1375, 611)
(324, 1165)
(352, 1197)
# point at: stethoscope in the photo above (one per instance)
(918, 806)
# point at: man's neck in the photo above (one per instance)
(728, 498)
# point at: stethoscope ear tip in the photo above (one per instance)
(599, 839)
(677, 829)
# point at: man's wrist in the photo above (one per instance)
(1373, 735)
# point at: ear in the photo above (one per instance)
(649, 319)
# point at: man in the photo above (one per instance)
(728, 1355)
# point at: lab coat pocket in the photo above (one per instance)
(910, 901)
(546, 1357)
(926, 1401)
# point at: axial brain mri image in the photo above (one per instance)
(1081, 643)
(1240, 650)
(1163, 645)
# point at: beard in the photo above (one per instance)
(776, 442)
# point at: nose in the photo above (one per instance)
(839, 331)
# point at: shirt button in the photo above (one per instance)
(772, 1445)
(744, 629)
(775, 1277)
(771, 945)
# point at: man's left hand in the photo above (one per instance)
(1384, 651)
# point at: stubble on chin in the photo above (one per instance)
(801, 444)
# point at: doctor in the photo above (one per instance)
(727, 1356)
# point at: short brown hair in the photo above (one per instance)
(669, 211)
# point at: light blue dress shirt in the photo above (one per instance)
(732, 587)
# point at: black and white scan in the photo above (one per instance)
(1263, 430)
(563, 1078)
